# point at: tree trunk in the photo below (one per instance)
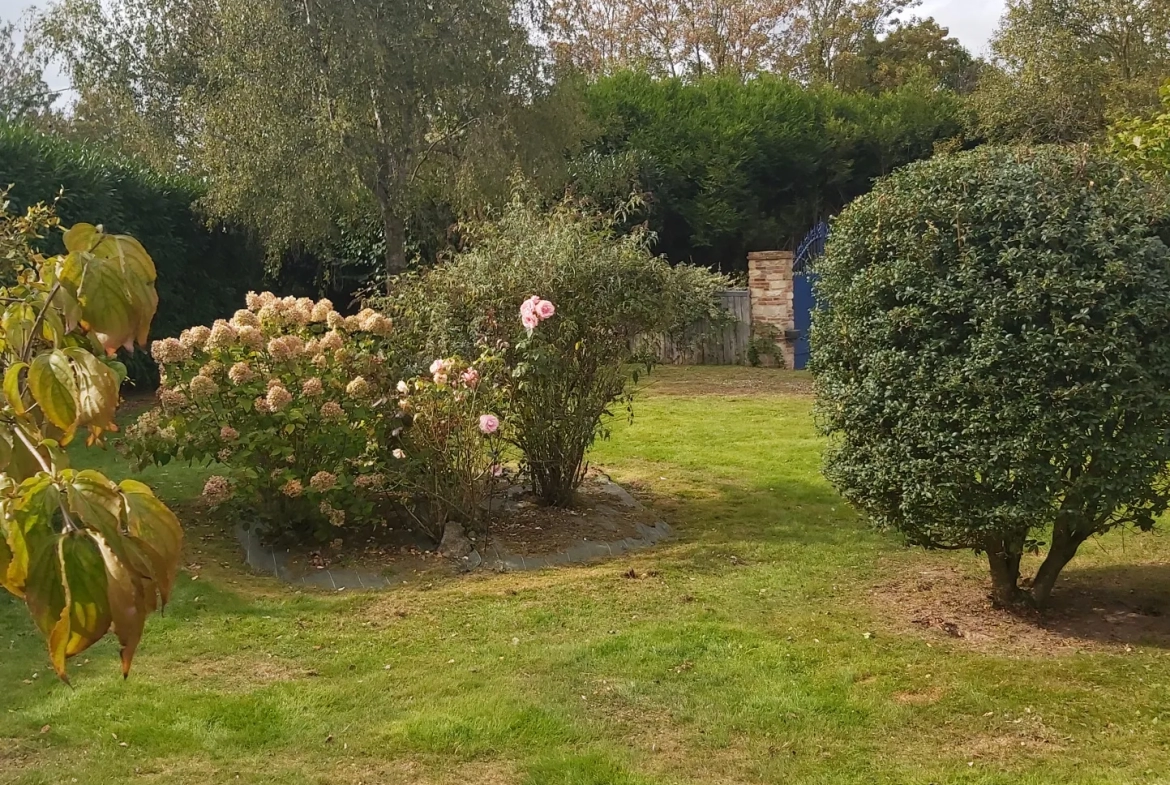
(1004, 562)
(394, 233)
(1066, 539)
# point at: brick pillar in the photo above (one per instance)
(770, 285)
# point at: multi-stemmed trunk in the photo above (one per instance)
(1004, 553)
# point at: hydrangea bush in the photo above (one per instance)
(297, 404)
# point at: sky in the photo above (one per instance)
(971, 21)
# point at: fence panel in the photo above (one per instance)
(706, 345)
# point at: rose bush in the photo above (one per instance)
(454, 440)
(296, 402)
(585, 291)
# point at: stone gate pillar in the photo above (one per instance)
(770, 286)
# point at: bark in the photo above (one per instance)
(1067, 535)
(1004, 562)
(394, 233)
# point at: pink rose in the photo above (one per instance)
(529, 320)
(489, 423)
(470, 377)
(438, 366)
(529, 305)
(545, 309)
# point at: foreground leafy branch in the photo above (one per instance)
(85, 554)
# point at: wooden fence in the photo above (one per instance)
(725, 344)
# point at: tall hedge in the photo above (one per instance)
(203, 273)
(734, 166)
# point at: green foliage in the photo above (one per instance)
(914, 51)
(84, 553)
(292, 399)
(564, 372)
(731, 166)
(994, 360)
(1145, 142)
(1063, 68)
(203, 272)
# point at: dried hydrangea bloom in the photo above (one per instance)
(251, 337)
(334, 320)
(171, 398)
(332, 411)
(241, 373)
(169, 350)
(244, 318)
(323, 481)
(222, 336)
(203, 387)
(228, 433)
(312, 387)
(320, 311)
(331, 341)
(217, 490)
(359, 388)
(292, 489)
(278, 398)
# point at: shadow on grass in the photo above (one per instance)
(1126, 604)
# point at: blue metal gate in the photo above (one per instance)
(803, 297)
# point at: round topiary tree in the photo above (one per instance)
(993, 362)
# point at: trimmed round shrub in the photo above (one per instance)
(992, 360)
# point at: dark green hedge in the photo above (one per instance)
(203, 273)
(733, 166)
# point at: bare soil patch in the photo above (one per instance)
(1114, 607)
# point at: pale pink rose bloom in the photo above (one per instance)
(529, 305)
(403, 388)
(470, 377)
(497, 470)
(399, 454)
(530, 321)
(489, 423)
(439, 366)
(440, 377)
(545, 309)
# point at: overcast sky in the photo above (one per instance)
(971, 21)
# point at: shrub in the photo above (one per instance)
(84, 553)
(296, 402)
(203, 272)
(454, 439)
(564, 378)
(994, 361)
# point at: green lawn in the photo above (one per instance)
(767, 644)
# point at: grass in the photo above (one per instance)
(754, 649)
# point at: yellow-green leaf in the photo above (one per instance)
(29, 520)
(97, 390)
(12, 388)
(151, 522)
(86, 592)
(5, 559)
(44, 593)
(82, 237)
(106, 306)
(5, 447)
(96, 502)
(139, 275)
(54, 387)
(127, 603)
